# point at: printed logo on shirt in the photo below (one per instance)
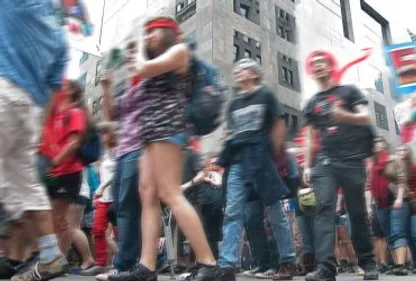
(249, 118)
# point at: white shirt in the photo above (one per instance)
(85, 188)
(107, 170)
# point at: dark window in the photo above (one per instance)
(294, 124)
(385, 25)
(244, 10)
(258, 59)
(248, 9)
(346, 19)
(381, 116)
(288, 76)
(285, 25)
(235, 53)
(185, 9)
(246, 47)
(286, 117)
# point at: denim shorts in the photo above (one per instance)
(179, 139)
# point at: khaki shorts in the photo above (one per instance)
(20, 187)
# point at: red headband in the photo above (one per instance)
(163, 23)
(332, 61)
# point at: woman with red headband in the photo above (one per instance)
(163, 127)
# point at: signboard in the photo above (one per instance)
(401, 59)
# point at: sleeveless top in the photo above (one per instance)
(164, 102)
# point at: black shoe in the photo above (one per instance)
(320, 275)
(7, 268)
(400, 270)
(383, 268)
(138, 273)
(227, 274)
(206, 273)
(370, 273)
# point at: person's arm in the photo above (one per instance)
(368, 193)
(279, 128)
(360, 115)
(108, 101)
(175, 58)
(77, 126)
(401, 183)
(199, 178)
(103, 185)
(69, 149)
(309, 153)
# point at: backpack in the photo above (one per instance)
(207, 97)
(90, 149)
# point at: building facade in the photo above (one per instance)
(344, 27)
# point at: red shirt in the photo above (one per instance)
(407, 132)
(56, 135)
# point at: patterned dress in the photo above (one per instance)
(164, 100)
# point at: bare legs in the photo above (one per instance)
(79, 239)
(161, 170)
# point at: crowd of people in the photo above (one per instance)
(334, 200)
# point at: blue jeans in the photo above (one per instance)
(128, 210)
(256, 235)
(413, 236)
(308, 233)
(394, 224)
(237, 195)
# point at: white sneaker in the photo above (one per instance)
(104, 276)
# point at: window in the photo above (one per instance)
(235, 53)
(84, 58)
(179, 7)
(282, 13)
(247, 54)
(286, 118)
(381, 116)
(294, 124)
(346, 19)
(258, 44)
(244, 11)
(246, 39)
(288, 76)
(258, 59)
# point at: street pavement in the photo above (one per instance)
(342, 277)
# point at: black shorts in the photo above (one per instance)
(65, 186)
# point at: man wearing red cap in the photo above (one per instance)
(340, 115)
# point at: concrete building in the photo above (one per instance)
(344, 27)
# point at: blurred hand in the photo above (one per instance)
(161, 244)
(106, 79)
(286, 206)
(338, 114)
(397, 204)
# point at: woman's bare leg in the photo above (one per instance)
(151, 222)
(79, 239)
(166, 160)
(60, 221)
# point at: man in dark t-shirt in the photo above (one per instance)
(256, 127)
(340, 115)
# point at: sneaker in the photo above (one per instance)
(268, 274)
(320, 275)
(206, 273)
(44, 271)
(31, 262)
(251, 272)
(382, 268)
(104, 276)
(286, 272)
(93, 270)
(138, 273)
(400, 270)
(370, 273)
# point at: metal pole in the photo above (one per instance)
(102, 24)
